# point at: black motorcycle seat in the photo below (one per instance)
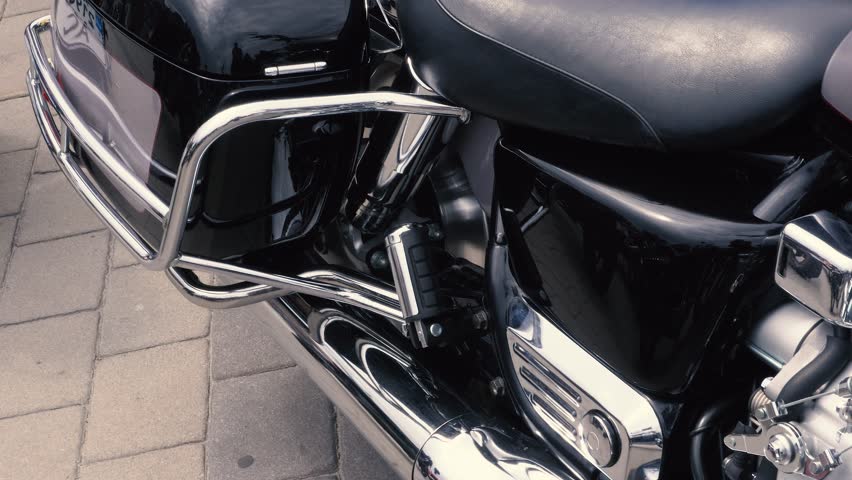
(664, 74)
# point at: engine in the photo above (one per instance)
(800, 419)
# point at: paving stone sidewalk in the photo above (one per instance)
(106, 372)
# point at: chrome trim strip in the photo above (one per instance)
(537, 344)
(410, 64)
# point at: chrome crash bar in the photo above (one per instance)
(46, 92)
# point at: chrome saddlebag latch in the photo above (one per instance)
(815, 265)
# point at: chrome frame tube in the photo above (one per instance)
(413, 151)
(348, 288)
(45, 91)
(174, 215)
(218, 297)
(87, 137)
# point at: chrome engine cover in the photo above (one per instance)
(580, 400)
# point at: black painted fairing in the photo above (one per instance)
(237, 39)
(262, 185)
(639, 277)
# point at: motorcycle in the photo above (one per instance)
(509, 240)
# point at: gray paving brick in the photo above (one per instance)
(55, 277)
(44, 161)
(7, 234)
(180, 463)
(18, 129)
(358, 459)
(41, 446)
(270, 425)
(17, 7)
(143, 309)
(121, 256)
(241, 344)
(13, 54)
(46, 363)
(15, 168)
(148, 400)
(53, 209)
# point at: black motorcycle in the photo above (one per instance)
(510, 239)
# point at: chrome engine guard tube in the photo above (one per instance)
(345, 287)
(45, 92)
(422, 429)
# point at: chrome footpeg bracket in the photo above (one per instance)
(417, 285)
(45, 92)
(815, 265)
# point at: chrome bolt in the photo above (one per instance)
(435, 232)
(379, 260)
(779, 450)
(497, 386)
(500, 238)
(436, 329)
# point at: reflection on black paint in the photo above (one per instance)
(640, 283)
(236, 208)
(238, 38)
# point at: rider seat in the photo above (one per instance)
(663, 74)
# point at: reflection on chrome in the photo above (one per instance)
(45, 92)
(405, 413)
(815, 265)
(581, 399)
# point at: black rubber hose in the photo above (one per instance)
(704, 436)
(827, 365)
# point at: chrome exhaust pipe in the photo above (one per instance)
(421, 428)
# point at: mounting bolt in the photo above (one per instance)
(480, 320)
(436, 329)
(379, 260)
(497, 386)
(779, 450)
(435, 232)
(500, 239)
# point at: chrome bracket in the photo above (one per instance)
(579, 399)
(814, 265)
(346, 287)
